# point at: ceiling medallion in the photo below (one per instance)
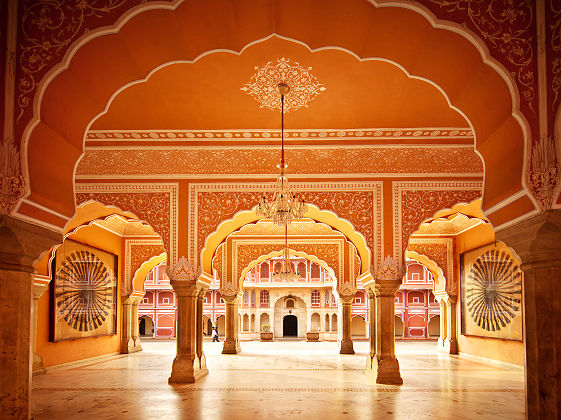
(284, 206)
(304, 86)
(286, 273)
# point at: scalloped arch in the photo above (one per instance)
(68, 98)
(140, 274)
(432, 266)
(273, 254)
(243, 218)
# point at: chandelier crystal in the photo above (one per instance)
(286, 273)
(284, 206)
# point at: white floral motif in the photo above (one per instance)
(12, 183)
(304, 86)
(544, 171)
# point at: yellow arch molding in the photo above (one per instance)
(432, 266)
(245, 217)
(140, 275)
(273, 254)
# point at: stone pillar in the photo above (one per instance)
(451, 342)
(385, 366)
(200, 353)
(184, 280)
(443, 325)
(134, 320)
(387, 371)
(38, 290)
(231, 339)
(346, 339)
(537, 241)
(372, 332)
(130, 340)
(21, 244)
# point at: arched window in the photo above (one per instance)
(289, 303)
(334, 322)
(327, 300)
(264, 299)
(264, 273)
(278, 267)
(253, 298)
(316, 298)
(302, 269)
(333, 301)
(314, 271)
(245, 298)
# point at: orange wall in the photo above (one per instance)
(496, 349)
(72, 350)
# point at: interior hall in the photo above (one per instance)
(280, 209)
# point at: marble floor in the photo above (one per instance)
(292, 379)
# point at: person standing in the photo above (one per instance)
(215, 334)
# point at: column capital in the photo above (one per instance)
(346, 299)
(346, 291)
(229, 290)
(23, 243)
(230, 298)
(184, 289)
(183, 271)
(388, 277)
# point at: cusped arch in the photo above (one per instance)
(433, 267)
(242, 218)
(274, 254)
(69, 98)
(139, 276)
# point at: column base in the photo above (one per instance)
(440, 344)
(129, 346)
(186, 369)
(231, 347)
(386, 371)
(347, 347)
(38, 366)
(450, 347)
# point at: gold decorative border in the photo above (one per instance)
(263, 134)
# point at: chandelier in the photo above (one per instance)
(284, 206)
(286, 273)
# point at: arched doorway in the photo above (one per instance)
(290, 326)
(220, 325)
(434, 327)
(294, 306)
(207, 325)
(145, 326)
(358, 326)
(398, 326)
(315, 322)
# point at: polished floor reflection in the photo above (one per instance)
(288, 379)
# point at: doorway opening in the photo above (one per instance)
(290, 326)
(145, 326)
